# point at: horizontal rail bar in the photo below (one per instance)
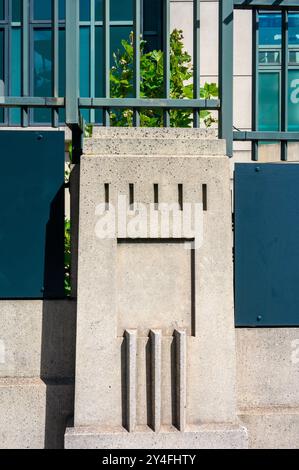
(261, 135)
(264, 4)
(31, 101)
(34, 102)
(148, 103)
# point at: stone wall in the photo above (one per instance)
(267, 385)
(37, 364)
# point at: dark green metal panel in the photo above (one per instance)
(267, 244)
(31, 214)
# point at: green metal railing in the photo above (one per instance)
(73, 103)
(282, 136)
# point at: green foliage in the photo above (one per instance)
(67, 257)
(152, 83)
(88, 129)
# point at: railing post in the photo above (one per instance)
(284, 81)
(106, 29)
(25, 60)
(55, 58)
(226, 43)
(72, 62)
(166, 58)
(196, 59)
(137, 76)
(255, 82)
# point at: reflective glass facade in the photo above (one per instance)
(41, 49)
(269, 79)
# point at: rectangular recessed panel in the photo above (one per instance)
(154, 286)
(267, 244)
(31, 214)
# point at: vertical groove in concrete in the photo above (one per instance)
(131, 367)
(181, 378)
(156, 353)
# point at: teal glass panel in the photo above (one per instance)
(16, 60)
(118, 33)
(294, 28)
(99, 62)
(17, 10)
(294, 57)
(61, 86)
(1, 71)
(270, 29)
(269, 57)
(62, 9)
(2, 13)
(85, 66)
(268, 101)
(84, 10)
(42, 84)
(121, 10)
(152, 24)
(99, 10)
(293, 105)
(42, 10)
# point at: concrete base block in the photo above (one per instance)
(197, 437)
(150, 146)
(272, 428)
(34, 413)
(37, 338)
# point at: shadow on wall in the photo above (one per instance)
(57, 367)
(58, 342)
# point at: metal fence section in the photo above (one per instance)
(73, 103)
(255, 136)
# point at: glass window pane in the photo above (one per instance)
(152, 24)
(270, 29)
(2, 91)
(99, 10)
(99, 63)
(99, 69)
(42, 85)
(121, 11)
(294, 57)
(84, 10)
(16, 10)
(269, 57)
(2, 15)
(294, 28)
(268, 101)
(118, 33)
(43, 9)
(293, 107)
(84, 60)
(16, 60)
(62, 9)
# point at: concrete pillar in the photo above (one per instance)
(155, 330)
